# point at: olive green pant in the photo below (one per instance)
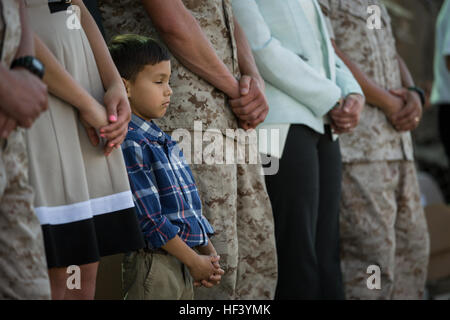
(155, 276)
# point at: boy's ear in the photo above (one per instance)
(126, 83)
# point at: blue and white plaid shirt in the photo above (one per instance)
(163, 187)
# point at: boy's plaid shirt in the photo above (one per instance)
(164, 190)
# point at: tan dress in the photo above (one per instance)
(83, 198)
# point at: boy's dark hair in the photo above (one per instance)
(132, 52)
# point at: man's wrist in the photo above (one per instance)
(233, 91)
(30, 63)
(419, 92)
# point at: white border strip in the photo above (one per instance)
(84, 210)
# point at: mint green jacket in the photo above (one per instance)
(285, 50)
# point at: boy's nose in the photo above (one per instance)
(169, 91)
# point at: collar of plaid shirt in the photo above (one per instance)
(151, 130)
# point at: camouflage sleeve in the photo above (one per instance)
(10, 31)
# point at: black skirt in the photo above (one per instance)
(86, 241)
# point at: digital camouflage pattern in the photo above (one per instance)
(382, 220)
(374, 52)
(382, 223)
(23, 269)
(234, 196)
(236, 203)
(10, 31)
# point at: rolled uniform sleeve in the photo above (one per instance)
(156, 227)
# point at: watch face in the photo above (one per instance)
(37, 64)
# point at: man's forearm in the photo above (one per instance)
(247, 64)
(187, 42)
(374, 94)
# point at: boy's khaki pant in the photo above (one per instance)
(23, 268)
(155, 276)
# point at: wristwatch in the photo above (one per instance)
(30, 63)
(420, 92)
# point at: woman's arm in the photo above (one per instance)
(115, 98)
(61, 84)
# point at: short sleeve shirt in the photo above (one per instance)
(374, 52)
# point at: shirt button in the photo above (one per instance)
(160, 134)
(154, 189)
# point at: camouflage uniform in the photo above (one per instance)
(234, 196)
(415, 23)
(23, 269)
(382, 221)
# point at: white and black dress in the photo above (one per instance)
(82, 198)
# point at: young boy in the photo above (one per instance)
(164, 190)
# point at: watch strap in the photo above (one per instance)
(30, 63)
(420, 92)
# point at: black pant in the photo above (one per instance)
(444, 127)
(305, 196)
